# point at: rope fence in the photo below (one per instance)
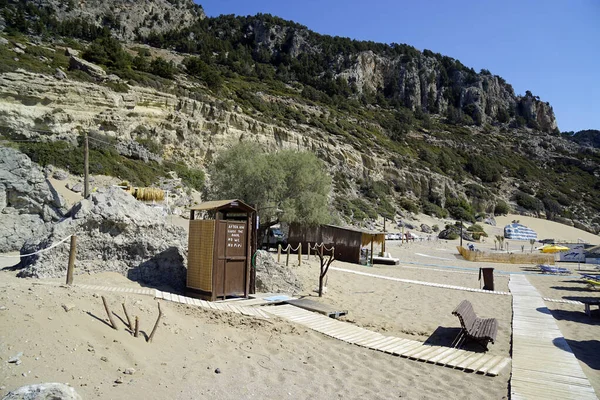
(288, 249)
(39, 251)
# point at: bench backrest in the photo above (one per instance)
(465, 313)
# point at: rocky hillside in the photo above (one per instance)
(125, 19)
(400, 130)
(424, 82)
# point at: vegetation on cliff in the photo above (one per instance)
(428, 113)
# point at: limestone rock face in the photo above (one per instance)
(92, 69)
(126, 16)
(28, 204)
(43, 391)
(116, 233)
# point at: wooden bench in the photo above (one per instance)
(482, 330)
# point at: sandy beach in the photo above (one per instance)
(274, 358)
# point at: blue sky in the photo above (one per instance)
(551, 47)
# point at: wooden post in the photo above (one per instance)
(156, 324)
(287, 259)
(383, 245)
(253, 248)
(137, 327)
(130, 325)
(371, 251)
(324, 266)
(110, 318)
(300, 254)
(278, 253)
(72, 253)
(308, 252)
(86, 167)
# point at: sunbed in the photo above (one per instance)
(593, 281)
(548, 269)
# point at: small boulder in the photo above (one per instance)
(18, 50)
(3, 41)
(71, 52)
(60, 74)
(129, 371)
(16, 359)
(68, 307)
(77, 188)
(426, 228)
(43, 391)
(60, 174)
(91, 69)
(490, 221)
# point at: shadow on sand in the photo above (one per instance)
(444, 336)
(587, 352)
(165, 271)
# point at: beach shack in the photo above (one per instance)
(219, 248)
(347, 241)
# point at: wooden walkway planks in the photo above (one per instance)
(237, 308)
(544, 367)
(412, 349)
(438, 285)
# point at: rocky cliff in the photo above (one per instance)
(43, 106)
(423, 81)
(419, 125)
(28, 204)
(125, 18)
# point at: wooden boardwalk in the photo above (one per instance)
(544, 367)
(445, 356)
(227, 307)
(422, 283)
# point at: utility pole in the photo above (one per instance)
(86, 166)
(383, 245)
(253, 249)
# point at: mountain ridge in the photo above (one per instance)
(386, 154)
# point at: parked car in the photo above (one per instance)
(273, 238)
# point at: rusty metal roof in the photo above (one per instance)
(220, 204)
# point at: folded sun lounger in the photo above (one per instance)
(547, 269)
(592, 280)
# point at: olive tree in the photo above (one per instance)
(285, 186)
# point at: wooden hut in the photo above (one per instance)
(347, 241)
(219, 250)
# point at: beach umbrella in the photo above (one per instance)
(554, 249)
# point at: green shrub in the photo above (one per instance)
(528, 202)
(453, 236)
(435, 228)
(501, 208)
(434, 210)
(162, 68)
(485, 168)
(408, 205)
(460, 208)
